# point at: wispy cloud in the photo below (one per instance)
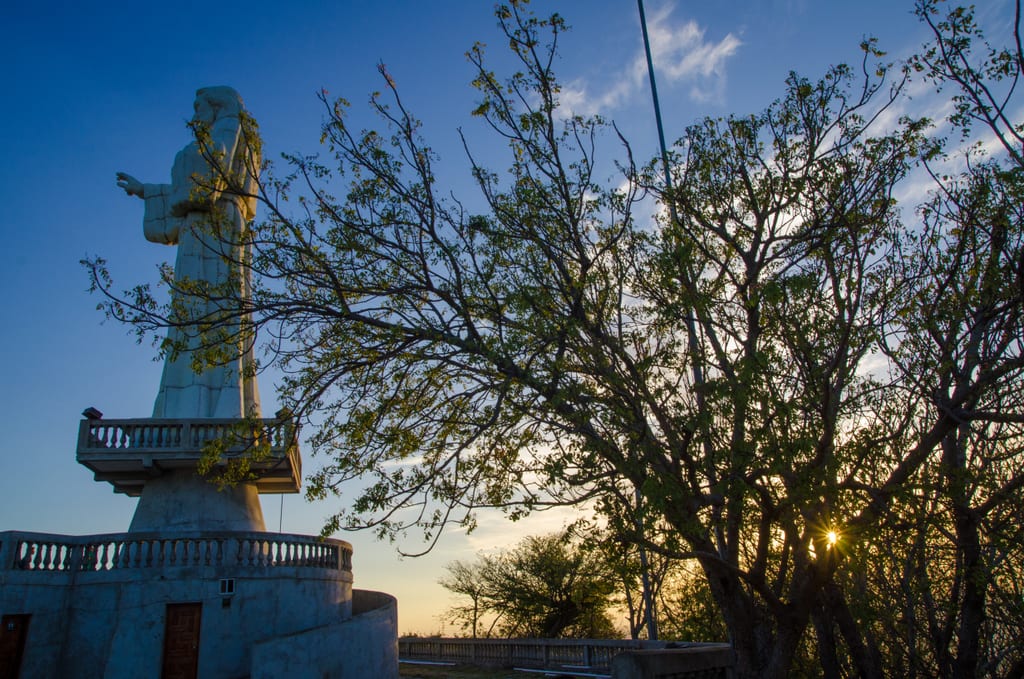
(496, 532)
(682, 55)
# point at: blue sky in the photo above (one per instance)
(92, 88)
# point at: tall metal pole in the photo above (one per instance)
(650, 618)
(693, 344)
(657, 111)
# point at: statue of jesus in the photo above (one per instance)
(206, 215)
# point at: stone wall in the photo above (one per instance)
(364, 646)
(99, 612)
(710, 661)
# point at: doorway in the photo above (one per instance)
(13, 631)
(181, 641)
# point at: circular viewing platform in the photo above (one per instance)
(128, 453)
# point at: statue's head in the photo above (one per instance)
(217, 102)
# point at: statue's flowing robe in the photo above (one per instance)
(177, 213)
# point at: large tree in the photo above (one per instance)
(753, 382)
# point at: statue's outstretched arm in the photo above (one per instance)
(131, 185)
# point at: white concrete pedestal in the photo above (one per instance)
(180, 500)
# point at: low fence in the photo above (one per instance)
(48, 553)
(589, 653)
(557, 654)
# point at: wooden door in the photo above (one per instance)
(13, 630)
(181, 641)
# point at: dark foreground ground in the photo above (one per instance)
(458, 672)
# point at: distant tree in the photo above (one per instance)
(639, 577)
(545, 587)
(638, 572)
(468, 580)
(687, 611)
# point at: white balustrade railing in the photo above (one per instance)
(40, 552)
(157, 435)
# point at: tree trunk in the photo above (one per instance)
(765, 644)
(827, 655)
(865, 656)
(968, 547)
(972, 607)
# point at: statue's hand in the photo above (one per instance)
(131, 185)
